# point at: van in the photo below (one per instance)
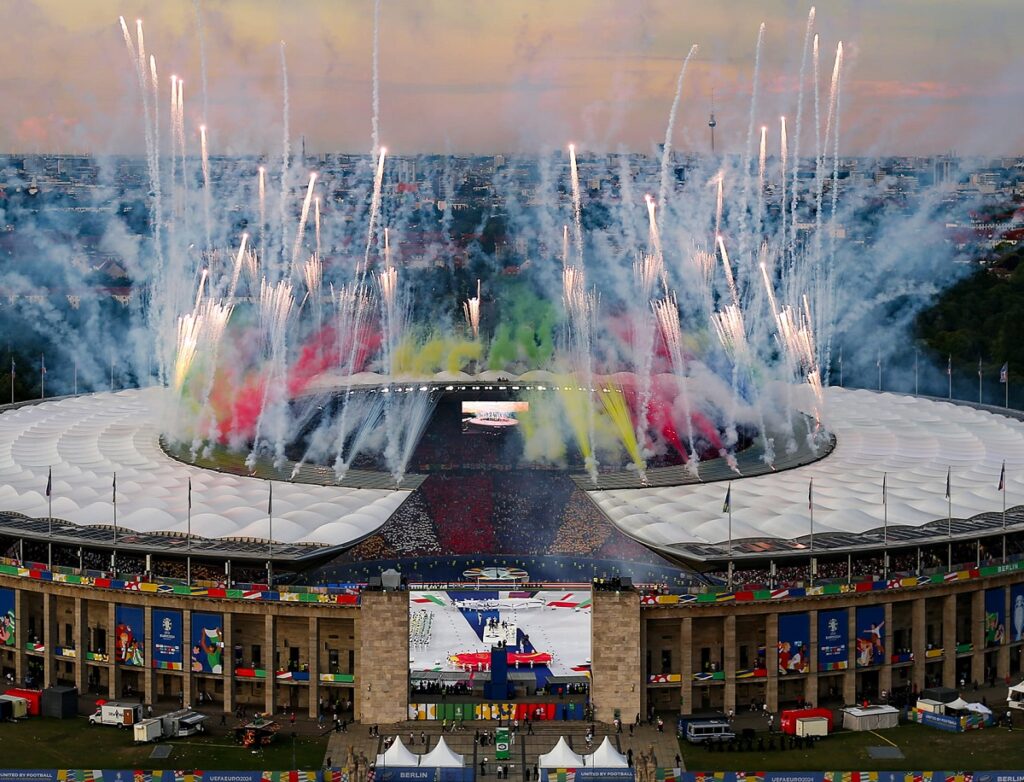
(709, 731)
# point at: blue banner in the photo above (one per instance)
(383, 774)
(794, 642)
(833, 640)
(995, 616)
(167, 639)
(129, 635)
(1017, 612)
(941, 721)
(591, 775)
(207, 643)
(7, 618)
(870, 636)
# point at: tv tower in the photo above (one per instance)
(712, 123)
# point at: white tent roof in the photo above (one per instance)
(980, 708)
(398, 756)
(442, 756)
(1019, 687)
(561, 756)
(958, 704)
(915, 440)
(606, 756)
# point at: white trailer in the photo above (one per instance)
(120, 713)
(148, 730)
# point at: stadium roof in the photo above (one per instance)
(86, 439)
(912, 441)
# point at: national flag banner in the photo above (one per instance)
(1002, 477)
(49, 482)
(878, 361)
(42, 363)
(948, 492)
(270, 499)
(727, 505)
(1004, 372)
(12, 366)
(810, 495)
(190, 492)
(979, 366)
(113, 492)
(949, 365)
(885, 492)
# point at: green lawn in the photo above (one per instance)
(51, 743)
(924, 749)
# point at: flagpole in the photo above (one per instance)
(917, 355)
(76, 376)
(949, 519)
(270, 539)
(810, 505)
(885, 528)
(113, 553)
(840, 366)
(1002, 481)
(49, 520)
(879, 362)
(730, 536)
(949, 374)
(42, 376)
(188, 538)
(979, 381)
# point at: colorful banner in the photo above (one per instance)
(129, 635)
(870, 636)
(833, 640)
(587, 775)
(1017, 612)
(168, 641)
(7, 619)
(995, 616)
(207, 643)
(794, 642)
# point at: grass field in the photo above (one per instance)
(924, 749)
(51, 743)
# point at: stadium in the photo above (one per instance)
(882, 563)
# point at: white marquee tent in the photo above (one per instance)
(398, 756)
(561, 756)
(442, 756)
(606, 756)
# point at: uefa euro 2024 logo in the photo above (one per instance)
(833, 626)
(166, 625)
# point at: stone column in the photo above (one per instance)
(771, 661)
(79, 630)
(1003, 655)
(187, 683)
(20, 634)
(885, 674)
(850, 676)
(50, 636)
(685, 667)
(382, 684)
(270, 647)
(729, 661)
(978, 636)
(113, 669)
(811, 680)
(949, 641)
(314, 666)
(229, 662)
(918, 640)
(148, 673)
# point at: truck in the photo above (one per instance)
(120, 713)
(182, 723)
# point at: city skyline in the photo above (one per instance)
(918, 78)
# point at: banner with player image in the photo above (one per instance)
(794, 642)
(7, 618)
(130, 635)
(995, 616)
(833, 640)
(1017, 612)
(870, 636)
(207, 643)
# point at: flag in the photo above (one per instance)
(810, 495)
(270, 499)
(12, 366)
(42, 364)
(114, 489)
(1002, 477)
(885, 493)
(949, 365)
(190, 492)
(948, 493)
(878, 361)
(979, 366)
(727, 505)
(49, 482)
(1004, 372)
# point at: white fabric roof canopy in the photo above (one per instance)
(561, 756)
(87, 439)
(914, 441)
(442, 756)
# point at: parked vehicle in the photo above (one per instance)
(182, 723)
(711, 731)
(120, 713)
(148, 730)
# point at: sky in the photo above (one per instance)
(514, 76)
